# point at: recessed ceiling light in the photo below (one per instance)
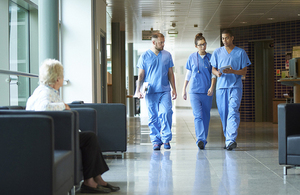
(244, 22)
(298, 14)
(270, 18)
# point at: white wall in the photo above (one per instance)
(4, 53)
(180, 62)
(77, 49)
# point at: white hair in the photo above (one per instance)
(50, 71)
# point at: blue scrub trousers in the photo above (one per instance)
(160, 117)
(228, 102)
(201, 105)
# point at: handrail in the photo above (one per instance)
(9, 72)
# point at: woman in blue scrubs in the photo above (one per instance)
(199, 74)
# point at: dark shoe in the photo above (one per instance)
(112, 188)
(201, 145)
(167, 145)
(225, 147)
(231, 145)
(99, 189)
(156, 147)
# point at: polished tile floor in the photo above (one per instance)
(252, 168)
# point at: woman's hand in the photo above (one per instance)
(67, 107)
(210, 92)
(184, 95)
(218, 74)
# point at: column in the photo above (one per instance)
(48, 30)
(116, 61)
(130, 78)
(123, 69)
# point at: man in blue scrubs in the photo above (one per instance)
(156, 68)
(229, 85)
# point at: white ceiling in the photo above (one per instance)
(210, 15)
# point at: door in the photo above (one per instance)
(264, 80)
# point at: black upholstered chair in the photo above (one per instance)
(65, 133)
(81, 118)
(111, 125)
(30, 164)
(12, 108)
(289, 135)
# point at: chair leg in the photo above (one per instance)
(72, 191)
(284, 170)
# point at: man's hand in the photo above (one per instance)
(174, 95)
(139, 95)
(228, 70)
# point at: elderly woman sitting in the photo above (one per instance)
(46, 97)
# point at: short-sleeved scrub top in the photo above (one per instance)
(238, 59)
(156, 69)
(200, 72)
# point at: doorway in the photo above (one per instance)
(264, 80)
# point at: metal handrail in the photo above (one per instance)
(9, 72)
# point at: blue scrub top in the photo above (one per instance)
(201, 69)
(238, 60)
(156, 70)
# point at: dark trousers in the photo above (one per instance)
(93, 162)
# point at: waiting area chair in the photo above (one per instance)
(111, 124)
(30, 164)
(289, 135)
(67, 125)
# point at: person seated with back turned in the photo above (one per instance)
(46, 97)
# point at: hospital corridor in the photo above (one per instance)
(252, 168)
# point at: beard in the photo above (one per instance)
(159, 48)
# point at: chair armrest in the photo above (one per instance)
(87, 119)
(12, 108)
(63, 126)
(282, 148)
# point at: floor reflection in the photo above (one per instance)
(230, 175)
(160, 173)
(202, 175)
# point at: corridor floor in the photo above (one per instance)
(252, 168)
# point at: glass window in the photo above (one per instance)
(19, 53)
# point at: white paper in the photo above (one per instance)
(224, 67)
